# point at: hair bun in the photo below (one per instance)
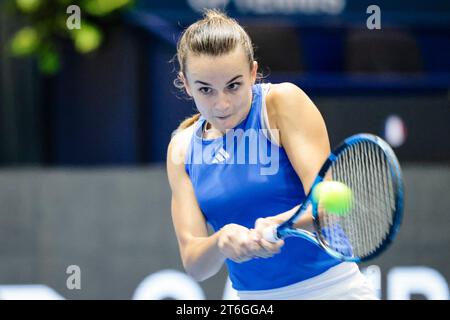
(211, 14)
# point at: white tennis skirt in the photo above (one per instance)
(341, 282)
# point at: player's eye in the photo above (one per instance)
(205, 90)
(234, 86)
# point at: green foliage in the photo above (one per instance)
(87, 39)
(28, 6)
(103, 7)
(25, 42)
(49, 61)
(46, 25)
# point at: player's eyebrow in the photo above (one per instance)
(208, 84)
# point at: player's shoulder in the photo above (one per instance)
(182, 135)
(179, 144)
(285, 91)
(285, 100)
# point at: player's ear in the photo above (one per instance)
(254, 71)
(183, 79)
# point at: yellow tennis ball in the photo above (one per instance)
(333, 196)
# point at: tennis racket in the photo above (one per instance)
(368, 166)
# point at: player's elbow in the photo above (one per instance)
(196, 267)
(198, 262)
(197, 276)
(195, 272)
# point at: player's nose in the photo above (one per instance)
(223, 105)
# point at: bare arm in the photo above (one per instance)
(199, 252)
(303, 135)
(304, 222)
(202, 255)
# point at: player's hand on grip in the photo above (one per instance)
(267, 249)
(236, 243)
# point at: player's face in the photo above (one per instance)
(221, 87)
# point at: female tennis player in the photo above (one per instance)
(238, 199)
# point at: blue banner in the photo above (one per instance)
(310, 11)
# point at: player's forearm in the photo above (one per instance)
(202, 258)
(304, 222)
(284, 216)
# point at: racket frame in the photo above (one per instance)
(286, 229)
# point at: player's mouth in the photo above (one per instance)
(222, 118)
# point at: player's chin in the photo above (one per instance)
(225, 123)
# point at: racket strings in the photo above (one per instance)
(364, 168)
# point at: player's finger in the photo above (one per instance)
(240, 257)
(272, 247)
(259, 251)
(261, 224)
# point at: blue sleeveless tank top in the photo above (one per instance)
(243, 176)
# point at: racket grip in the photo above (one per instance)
(270, 234)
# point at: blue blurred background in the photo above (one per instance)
(85, 120)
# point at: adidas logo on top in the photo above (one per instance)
(220, 156)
